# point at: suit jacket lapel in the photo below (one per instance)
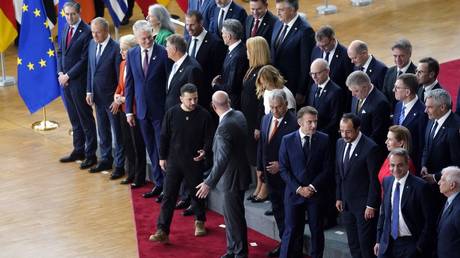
(137, 60)
(406, 191)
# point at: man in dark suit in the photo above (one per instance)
(326, 97)
(279, 122)
(225, 9)
(184, 70)
(72, 61)
(261, 20)
(427, 74)
(103, 65)
(449, 221)
(232, 171)
(370, 105)
(147, 68)
(304, 160)
(205, 8)
(442, 136)
(358, 189)
(208, 50)
(235, 63)
(402, 51)
(407, 221)
(409, 112)
(363, 61)
(340, 65)
(291, 44)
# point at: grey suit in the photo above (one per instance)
(231, 170)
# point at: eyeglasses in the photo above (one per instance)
(317, 73)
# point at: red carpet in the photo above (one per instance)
(449, 77)
(183, 243)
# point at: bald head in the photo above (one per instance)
(220, 102)
(358, 52)
(319, 71)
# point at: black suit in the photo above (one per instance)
(376, 71)
(415, 121)
(232, 171)
(235, 11)
(449, 231)
(292, 57)
(421, 91)
(340, 67)
(265, 29)
(210, 55)
(267, 151)
(188, 72)
(299, 168)
(358, 188)
(418, 216)
(233, 71)
(375, 116)
(389, 82)
(73, 61)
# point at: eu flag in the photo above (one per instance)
(37, 73)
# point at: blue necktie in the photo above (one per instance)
(395, 214)
(402, 115)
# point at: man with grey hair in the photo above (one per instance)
(369, 104)
(103, 66)
(276, 124)
(358, 52)
(449, 221)
(235, 63)
(147, 67)
(402, 51)
(232, 171)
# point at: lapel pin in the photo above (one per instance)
(356, 154)
(205, 41)
(79, 30)
(181, 70)
(230, 10)
(370, 70)
(363, 112)
(154, 58)
(285, 122)
(336, 56)
(295, 28)
(264, 23)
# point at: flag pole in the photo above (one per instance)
(45, 125)
(5, 80)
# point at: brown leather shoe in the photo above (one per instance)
(159, 236)
(200, 230)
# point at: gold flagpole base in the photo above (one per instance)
(45, 125)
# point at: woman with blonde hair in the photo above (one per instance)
(132, 138)
(258, 53)
(268, 79)
(160, 19)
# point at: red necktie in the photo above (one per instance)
(275, 127)
(255, 28)
(69, 37)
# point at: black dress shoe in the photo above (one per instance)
(137, 185)
(188, 211)
(159, 198)
(268, 213)
(182, 204)
(88, 162)
(257, 199)
(227, 255)
(72, 157)
(126, 181)
(117, 173)
(101, 167)
(275, 252)
(155, 191)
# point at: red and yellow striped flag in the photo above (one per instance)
(8, 30)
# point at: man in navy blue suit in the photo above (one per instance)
(147, 71)
(407, 221)
(402, 51)
(449, 220)
(340, 65)
(72, 61)
(103, 65)
(363, 61)
(427, 75)
(409, 112)
(304, 160)
(291, 44)
(225, 9)
(205, 8)
(276, 124)
(235, 63)
(261, 20)
(358, 189)
(370, 105)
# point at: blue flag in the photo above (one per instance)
(37, 72)
(117, 10)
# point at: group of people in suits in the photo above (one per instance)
(310, 115)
